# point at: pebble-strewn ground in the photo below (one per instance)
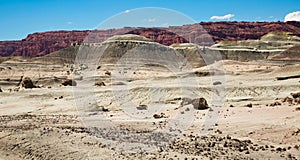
(256, 120)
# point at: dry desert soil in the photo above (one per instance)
(118, 112)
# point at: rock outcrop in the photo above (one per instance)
(204, 33)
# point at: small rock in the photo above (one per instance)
(217, 83)
(107, 73)
(295, 95)
(157, 116)
(288, 100)
(100, 84)
(296, 133)
(275, 104)
(142, 107)
(218, 131)
(83, 66)
(17, 89)
(69, 82)
(279, 149)
(105, 110)
(249, 105)
(1, 90)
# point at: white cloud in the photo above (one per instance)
(69, 23)
(227, 17)
(294, 16)
(151, 20)
(271, 17)
(127, 11)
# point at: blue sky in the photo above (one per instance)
(22, 17)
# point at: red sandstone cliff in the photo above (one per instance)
(204, 33)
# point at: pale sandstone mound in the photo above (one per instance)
(128, 38)
(280, 36)
(291, 54)
(113, 47)
(191, 52)
(130, 48)
(276, 41)
(270, 46)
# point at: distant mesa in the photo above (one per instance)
(203, 34)
(161, 36)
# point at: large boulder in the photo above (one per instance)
(200, 103)
(27, 83)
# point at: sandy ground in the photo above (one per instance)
(103, 122)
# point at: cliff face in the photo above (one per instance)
(205, 33)
(162, 36)
(41, 43)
